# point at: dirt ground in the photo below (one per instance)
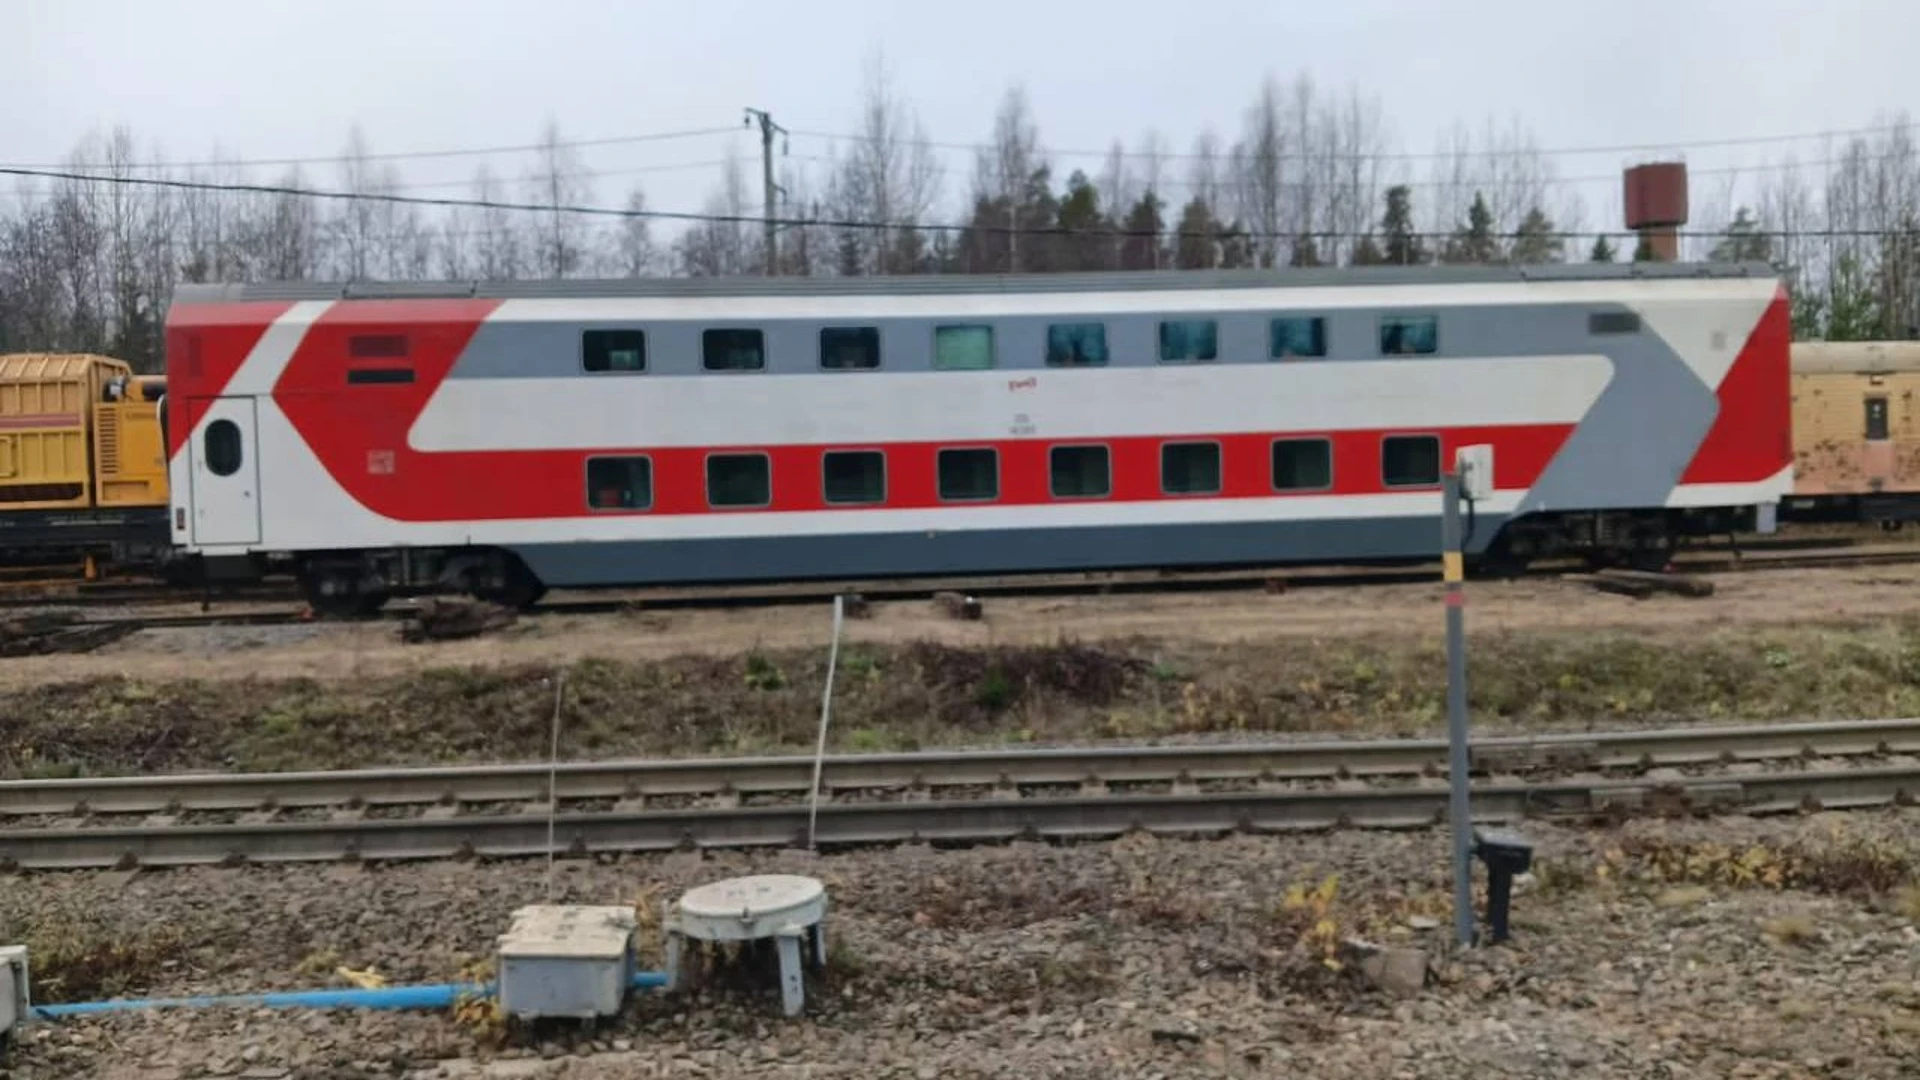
(1760, 948)
(1399, 613)
(1543, 655)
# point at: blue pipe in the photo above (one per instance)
(430, 996)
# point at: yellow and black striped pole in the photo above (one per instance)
(1453, 567)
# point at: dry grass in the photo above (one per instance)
(925, 693)
(1836, 863)
(1792, 930)
(80, 957)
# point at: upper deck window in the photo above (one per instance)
(1402, 335)
(962, 348)
(1077, 345)
(1188, 340)
(733, 350)
(850, 348)
(1613, 322)
(613, 350)
(1296, 335)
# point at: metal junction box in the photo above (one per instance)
(566, 960)
(13, 992)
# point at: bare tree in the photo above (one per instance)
(356, 226)
(725, 246)
(630, 251)
(1502, 166)
(499, 242)
(1117, 187)
(559, 181)
(889, 175)
(1351, 179)
(1010, 185)
(282, 235)
(1260, 172)
(803, 246)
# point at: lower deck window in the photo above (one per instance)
(854, 477)
(1410, 460)
(1302, 464)
(1079, 472)
(1191, 468)
(739, 480)
(969, 474)
(619, 483)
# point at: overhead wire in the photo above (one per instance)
(391, 155)
(827, 222)
(1435, 155)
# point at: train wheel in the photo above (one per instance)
(1499, 562)
(336, 596)
(1653, 559)
(518, 588)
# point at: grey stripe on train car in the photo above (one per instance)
(934, 284)
(1628, 451)
(539, 349)
(1637, 439)
(1118, 547)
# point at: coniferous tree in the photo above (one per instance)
(1535, 241)
(1473, 242)
(1403, 244)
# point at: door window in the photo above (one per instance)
(221, 446)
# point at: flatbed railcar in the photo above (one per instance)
(505, 438)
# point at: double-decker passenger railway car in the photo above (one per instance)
(1856, 431)
(503, 438)
(83, 466)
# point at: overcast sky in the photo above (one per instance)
(278, 78)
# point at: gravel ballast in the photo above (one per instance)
(1728, 948)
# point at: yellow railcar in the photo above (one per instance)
(83, 460)
(1856, 430)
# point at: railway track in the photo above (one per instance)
(971, 796)
(1786, 556)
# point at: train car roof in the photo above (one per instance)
(35, 367)
(1112, 281)
(1855, 357)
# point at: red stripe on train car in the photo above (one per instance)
(206, 344)
(1752, 436)
(361, 440)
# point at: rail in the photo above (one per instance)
(970, 795)
(231, 612)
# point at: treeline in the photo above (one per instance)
(1310, 179)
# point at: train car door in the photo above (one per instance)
(226, 472)
(1876, 451)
